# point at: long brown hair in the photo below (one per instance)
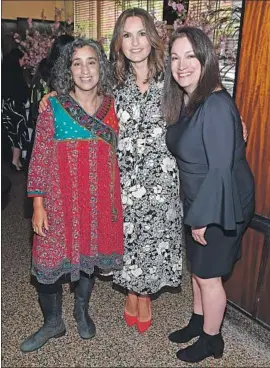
(120, 63)
(209, 79)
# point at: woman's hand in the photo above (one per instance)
(44, 101)
(198, 235)
(245, 132)
(40, 220)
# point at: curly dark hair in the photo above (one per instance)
(209, 79)
(54, 54)
(119, 62)
(62, 81)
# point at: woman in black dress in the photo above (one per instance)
(218, 187)
(15, 93)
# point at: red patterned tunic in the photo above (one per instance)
(74, 167)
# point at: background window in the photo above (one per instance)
(96, 18)
(221, 20)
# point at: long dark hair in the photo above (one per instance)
(13, 82)
(11, 60)
(62, 81)
(120, 63)
(209, 79)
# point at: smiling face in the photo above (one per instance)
(135, 44)
(85, 68)
(186, 68)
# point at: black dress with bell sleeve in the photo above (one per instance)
(216, 180)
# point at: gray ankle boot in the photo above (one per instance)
(85, 324)
(51, 305)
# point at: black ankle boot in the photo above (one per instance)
(53, 326)
(193, 329)
(85, 324)
(205, 346)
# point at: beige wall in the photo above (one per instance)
(69, 8)
(32, 9)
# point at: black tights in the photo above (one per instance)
(57, 286)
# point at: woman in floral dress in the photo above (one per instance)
(149, 179)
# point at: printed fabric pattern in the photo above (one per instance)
(73, 173)
(150, 192)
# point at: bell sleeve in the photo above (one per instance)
(40, 158)
(217, 201)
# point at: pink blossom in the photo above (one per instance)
(174, 5)
(180, 7)
(177, 23)
(38, 44)
(170, 2)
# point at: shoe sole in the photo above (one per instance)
(87, 338)
(53, 337)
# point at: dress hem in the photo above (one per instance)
(87, 265)
(152, 291)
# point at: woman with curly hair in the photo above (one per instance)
(74, 179)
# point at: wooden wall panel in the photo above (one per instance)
(263, 294)
(241, 287)
(13, 9)
(248, 287)
(253, 95)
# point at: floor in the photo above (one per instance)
(115, 345)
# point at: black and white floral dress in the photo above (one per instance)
(150, 192)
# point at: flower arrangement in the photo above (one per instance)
(220, 24)
(202, 20)
(37, 43)
(161, 27)
(179, 10)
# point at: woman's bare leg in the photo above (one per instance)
(214, 303)
(197, 297)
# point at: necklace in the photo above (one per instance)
(96, 104)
